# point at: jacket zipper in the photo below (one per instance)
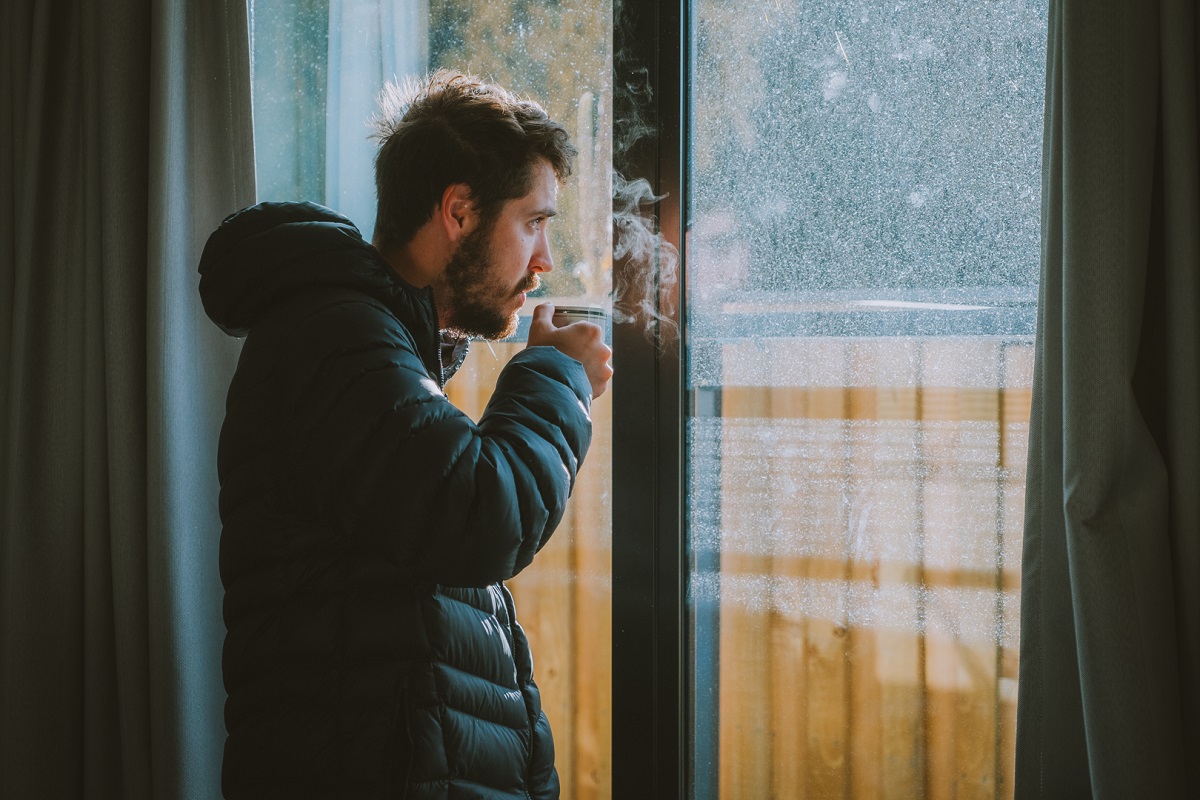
(401, 709)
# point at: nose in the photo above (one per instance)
(540, 260)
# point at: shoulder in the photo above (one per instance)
(321, 341)
(326, 321)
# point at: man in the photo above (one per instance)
(372, 648)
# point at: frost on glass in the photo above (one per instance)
(867, 145)
(862, 268)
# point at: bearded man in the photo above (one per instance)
(372, 649)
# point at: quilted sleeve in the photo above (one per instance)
(374, 448)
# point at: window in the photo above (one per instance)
(318, 68)
(794, 550)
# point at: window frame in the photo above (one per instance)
(651, 686)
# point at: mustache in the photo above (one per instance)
(528, 285)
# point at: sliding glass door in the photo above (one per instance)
(864, 188)
(834, 491)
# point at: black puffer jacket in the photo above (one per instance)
(354, 496)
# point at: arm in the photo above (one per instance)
(506, 493)
(377, 451)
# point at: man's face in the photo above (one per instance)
(487, 278)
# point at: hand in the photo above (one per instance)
(582, 341)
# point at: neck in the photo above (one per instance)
(420, 260)
(419, 263)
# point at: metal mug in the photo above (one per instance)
(565, 315)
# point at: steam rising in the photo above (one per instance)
(645, 292)
(639, 296)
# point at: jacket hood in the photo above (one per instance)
(266, 253)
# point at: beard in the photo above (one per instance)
(474, 300)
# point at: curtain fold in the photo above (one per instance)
(1110, 618)
(126, 137)
(201, 118)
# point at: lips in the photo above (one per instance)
(527, 286)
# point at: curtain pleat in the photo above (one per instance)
(1109, 572)
(1179, 342)
(126, 138)
(202, 124)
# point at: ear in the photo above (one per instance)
(457, 214)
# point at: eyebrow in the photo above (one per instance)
(545, 212)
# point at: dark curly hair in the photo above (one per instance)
(454, 128)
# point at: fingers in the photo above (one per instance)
(582, 341)
(594, 354)
(541, 324)
(600, 376)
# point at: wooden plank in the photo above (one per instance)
(948, 403)
(900, 765)
(883, 657)
(861, 581)
(544, 596)
(864, 743)
(591, 511)
(1007, 692)
(960, 534)
(828, 722)
(1014, 425)
(789, 689)
(900, 664)
(790, 694)
(739, 682)
(827, 668)
(745, 702)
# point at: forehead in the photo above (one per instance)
(543, 194)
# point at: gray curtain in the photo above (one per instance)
(126, 135)
(1109, 702)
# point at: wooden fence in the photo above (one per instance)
(865, 576)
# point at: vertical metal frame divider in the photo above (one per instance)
(650, 671)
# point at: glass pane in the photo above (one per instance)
(558, 52)
(318, 68)
(862, 268)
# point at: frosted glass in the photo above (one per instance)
(862, 269)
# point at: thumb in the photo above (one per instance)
(543, 314)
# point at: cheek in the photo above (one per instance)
(522, 250)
